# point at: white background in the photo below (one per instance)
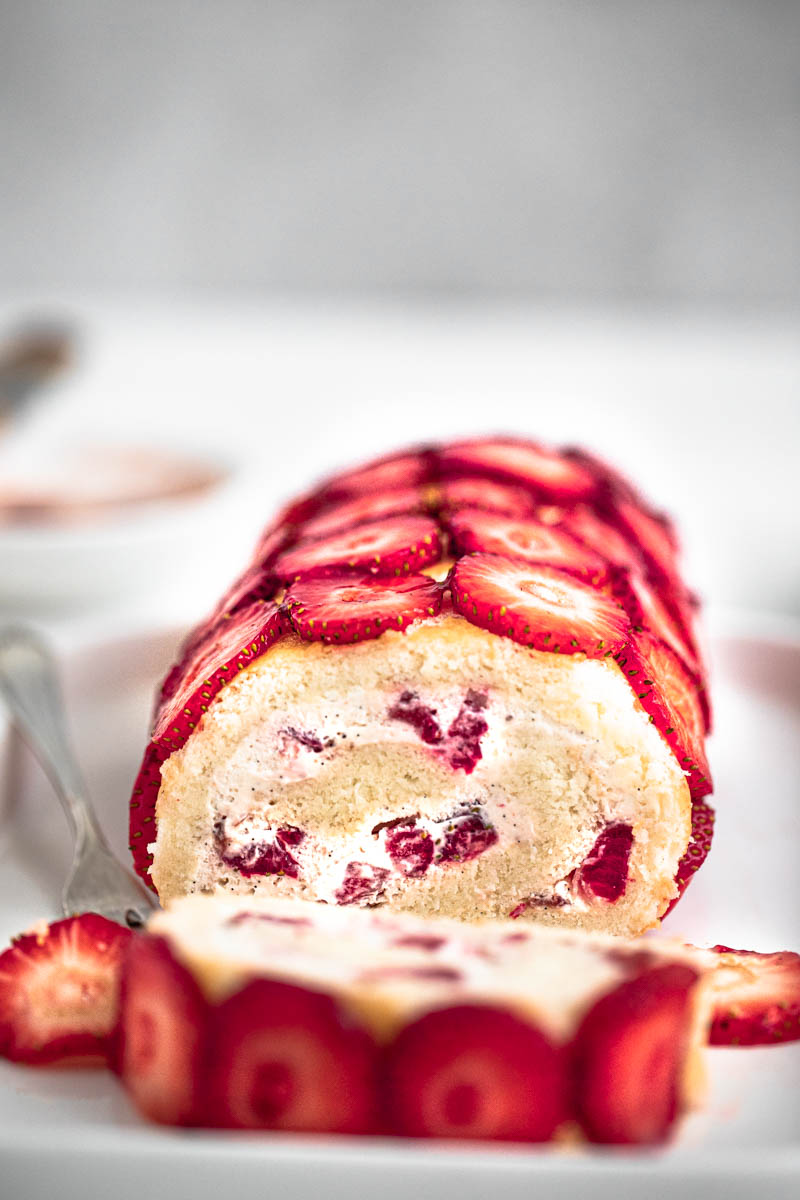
(580, 149)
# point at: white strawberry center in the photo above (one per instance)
(548, 596)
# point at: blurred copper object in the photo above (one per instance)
(30, 357)
(79, 484)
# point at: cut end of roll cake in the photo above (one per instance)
(441, 771)
(464, 682)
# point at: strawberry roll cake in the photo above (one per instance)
(463, 680)
(283, 1014)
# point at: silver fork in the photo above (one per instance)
(97, 881)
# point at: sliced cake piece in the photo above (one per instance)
(465, 714)
(440, 770)
(248, 1013)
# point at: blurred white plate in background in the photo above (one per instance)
(140, 525)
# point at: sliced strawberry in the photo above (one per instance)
(538, 606)
(603, 874)
(274, 539)
(231, 646)
(466, 835)
(59, 990)
(163, 1027)
(141, 826)
(653, 534)
(609, 479)
(756, 997)
(410, 849)
(466, 732)
(472, 491)
(474, 1071)
(697, 851)
(647, 611)
(668, 693)
(629, 1057)
(543, 470)
(362, 881)
(175, 673)
(362, 509)
(691, 626)
(409, 709)
(256, 583)
(355, 609)
(287, 1058)
(584, 524)
(683, 608)
(382, 475)
(393, 546)
(299, 510)
(269, 856)
(536, 542)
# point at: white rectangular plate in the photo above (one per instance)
(73, 1134)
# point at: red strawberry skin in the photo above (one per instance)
(162, 1040)
(668, 693)
(652, 534)
(475, 1071)
(538, 606)
(473, 530)
(274, 539)
(283, 1057)
(610, 481)
(629, 1055)
(59, 991)
(697, 851)
(603, 874)
(253, 585)
(647, 611)
(361, 510)
(389, 547)
(585, 524)
(229, 648)
(402, 470)
(141, 827)
(756, 998)
(474, 492)
(256, 583)
(357, 608)
(547, 473)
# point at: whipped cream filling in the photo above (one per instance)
(466, 733)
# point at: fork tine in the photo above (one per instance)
(97, 882)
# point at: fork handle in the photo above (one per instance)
(30, 686)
